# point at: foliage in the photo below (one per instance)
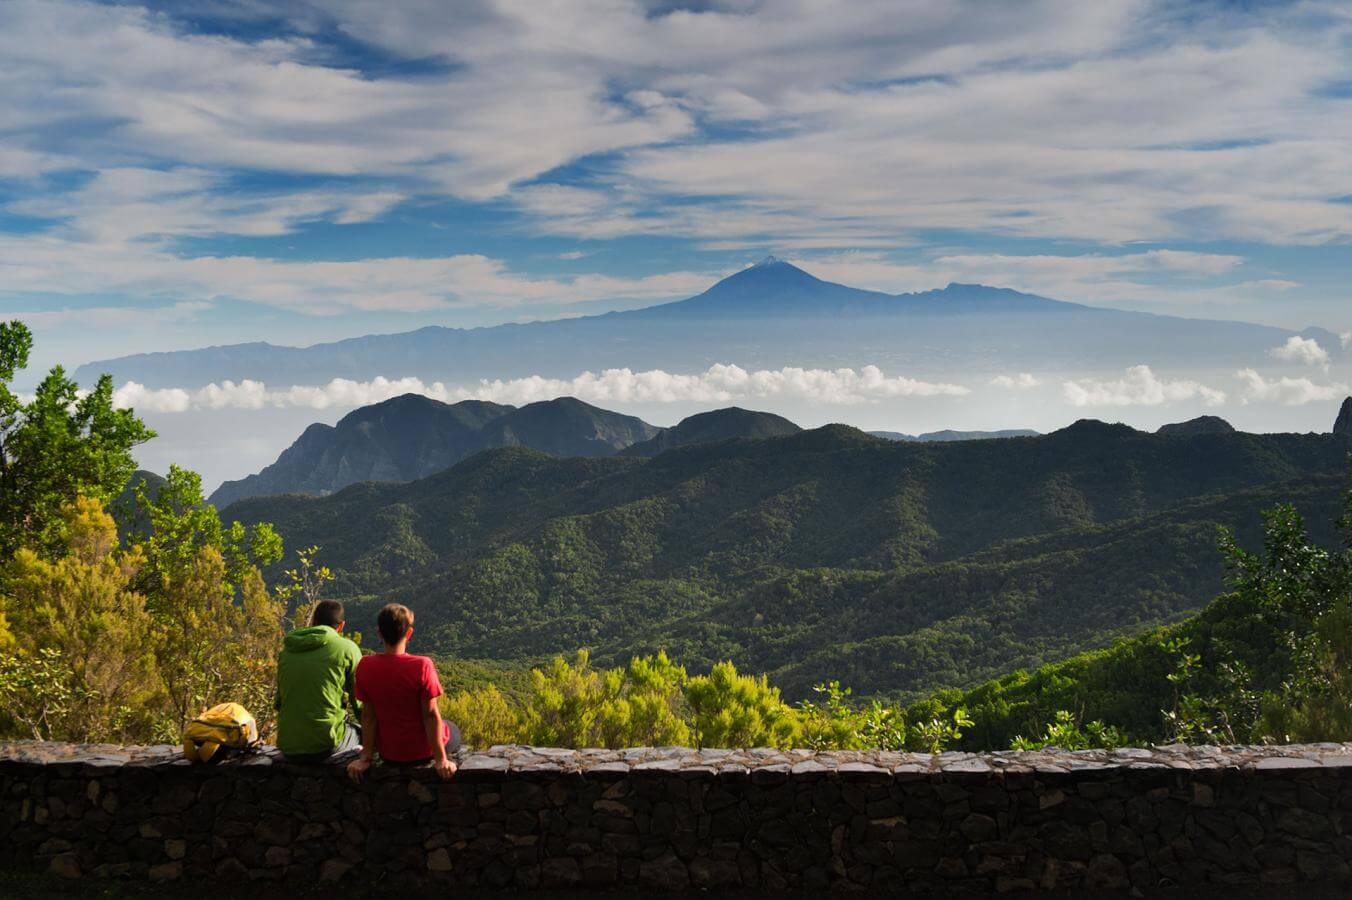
(94, 658)
(40, 695)
(216, 627)
(1268, 660)
(83, 629)
(834, 723)
(575, 705)
(937, 734)
(819, 556)
(734, 710)
(485, 716)
(182, 524)
(1316, 704)
(1065, 732)
(300, 592)
(60, 445)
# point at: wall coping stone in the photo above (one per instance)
(665, 819)
(523, 758)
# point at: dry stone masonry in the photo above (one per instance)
(678, 819)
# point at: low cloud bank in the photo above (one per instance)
(1140, 387)
(718, 384)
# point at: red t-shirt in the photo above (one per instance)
(398, 687)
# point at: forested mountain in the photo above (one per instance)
(769, 315)
(716, 425)
(1343, 424)
(412, 436)
(1199, 425)
(896, 567)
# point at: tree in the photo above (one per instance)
(180, 523)
(61, 445)
(300, 593)
(1064, 732)
(1310, 590)
(485, 717)
(216, 627)
(1316, 704)
(84, 640)
(733, 710)
(834, 723)
(575, 705)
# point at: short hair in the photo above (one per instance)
(328, 612)
(393, 622)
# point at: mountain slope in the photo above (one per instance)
(412, 436)
(567, 427)
(1343, 424)
(816, 555)
(1199, 425)
(716, 425)
(769, 315)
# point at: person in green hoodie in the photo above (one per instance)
(315, 688)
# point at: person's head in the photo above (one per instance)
(330, 613)
(395, 623)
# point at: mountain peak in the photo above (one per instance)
(1199, 425)
(1343, 425)
(715, 425)
(770, 260)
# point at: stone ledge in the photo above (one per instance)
(523, 758)
(676, 819)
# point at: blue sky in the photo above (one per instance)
(181, 174)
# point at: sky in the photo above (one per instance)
(174, 174)
(178, 174)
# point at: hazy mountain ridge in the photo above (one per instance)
(770, 315)
(949, 434)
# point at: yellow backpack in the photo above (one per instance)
(227, 725)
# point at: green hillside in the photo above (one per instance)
(895, 567)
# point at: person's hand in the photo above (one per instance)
(445, 767)
(357, 768)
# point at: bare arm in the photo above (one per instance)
(369, 729)
(432, 725)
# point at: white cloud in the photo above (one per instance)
(111, 316)
(1023, 381)
(1287, 391)
(57, 266)
(857, 124)
(1346, 340)
(1024, 119)
(1301, 350)
(1140, 387)
(718, 384)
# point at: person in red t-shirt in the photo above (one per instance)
(398, 693)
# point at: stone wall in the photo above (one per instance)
(675, 819)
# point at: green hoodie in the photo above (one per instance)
(315, 674)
